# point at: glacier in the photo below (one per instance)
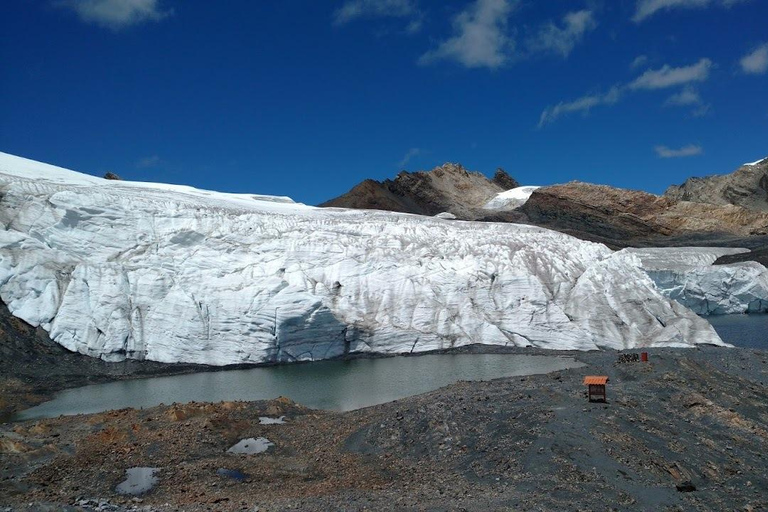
(170, 273)
(687, 275)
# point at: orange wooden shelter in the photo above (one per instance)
(596, 384)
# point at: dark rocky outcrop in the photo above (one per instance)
(504, 180)
(112, 176)
(447, 188)
(759, 255)
(746, 187)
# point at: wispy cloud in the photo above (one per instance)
(640, 61)
(647, 8)
(147, 162)
(668, 76)
(662, 78)
(354, 10)
(688, 96)
(410, 155)
(755, 62)
(115, 14)
(562, 39)
(582, 105)
(689, 150)
(480, 36)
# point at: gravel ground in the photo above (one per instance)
(689, 420)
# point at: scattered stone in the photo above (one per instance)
(686, 486)
(231, 473)
(628, 358)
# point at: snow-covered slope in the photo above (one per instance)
(169, 273)
(757, 162)
(687, 275)
(510, 199)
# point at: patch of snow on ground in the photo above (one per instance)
(266, 420)
(510, 199)
(251, 446)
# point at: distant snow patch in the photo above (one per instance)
(446, 216)
(755, 163)
(510, 199)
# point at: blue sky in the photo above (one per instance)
(306, 97)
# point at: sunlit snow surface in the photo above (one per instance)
(169, 273)
(759, 161)
(510, 199)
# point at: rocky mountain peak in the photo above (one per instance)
(449, 187)
(504, 180)
(746, 187)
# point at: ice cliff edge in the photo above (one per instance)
(116, 270)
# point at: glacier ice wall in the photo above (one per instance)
(174, 274)
(687, 275)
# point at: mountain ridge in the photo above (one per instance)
(692, 213)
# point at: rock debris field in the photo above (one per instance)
(685, 431)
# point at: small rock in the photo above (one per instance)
(686, 486)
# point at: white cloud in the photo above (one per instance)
(689, 150)
(688, 96)
(583, 105)
(756, 62)
(702, 110)
(668, 76)
(150, 161)
(354, 10)
(116, 14)
(562, 40)
(647, 8)
(410, 155)
(662, 78)
(640, 61)
(480, 36)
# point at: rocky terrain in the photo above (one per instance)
(724, 211)
(621, 218)
(759, 255)
(447, 188)
(685, 431)
(746, 187)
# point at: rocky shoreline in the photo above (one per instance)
(685, 431)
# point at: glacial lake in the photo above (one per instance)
(745, 331)
(330, 385)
